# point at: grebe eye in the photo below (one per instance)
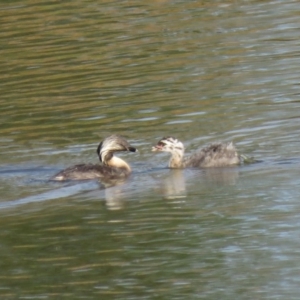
(161, 144)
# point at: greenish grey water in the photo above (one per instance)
(74, 72)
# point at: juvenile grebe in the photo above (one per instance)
(111, 167)
(214, 155)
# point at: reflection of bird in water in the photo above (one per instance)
(173, 185)
(214, 155)
(111, 167)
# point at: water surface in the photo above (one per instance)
(75, 72)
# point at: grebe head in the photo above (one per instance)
(112, 144)
(169, 144)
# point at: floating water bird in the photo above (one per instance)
(214, 155)
(111, 167)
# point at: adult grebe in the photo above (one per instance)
(111, 167)
(214, 155)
